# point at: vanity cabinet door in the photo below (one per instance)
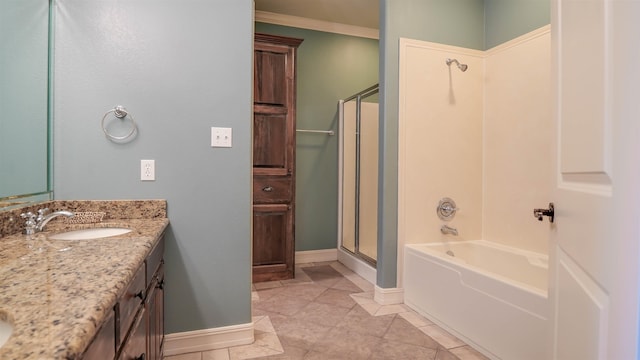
(135, 347)
(104, 344)
(155, 314)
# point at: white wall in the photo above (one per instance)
(440, 142)
(482, 138)
(518, 135)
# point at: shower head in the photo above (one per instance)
(462, 67)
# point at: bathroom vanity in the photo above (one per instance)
(85, 299)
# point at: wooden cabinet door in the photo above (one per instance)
(135, 347)
(272, 232)
(155, 314)
(103, 346)
(274, 126)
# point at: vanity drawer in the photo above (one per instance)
(130, 302)
(271, 190)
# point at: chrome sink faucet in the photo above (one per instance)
(36, 224)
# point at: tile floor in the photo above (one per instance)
(328, 313)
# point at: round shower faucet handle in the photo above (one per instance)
(446, 209)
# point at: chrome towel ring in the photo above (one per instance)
(120, 112)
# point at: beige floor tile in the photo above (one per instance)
(468, 353)
(360, 321)
(263, 323)
(360, 282)
(402, 331)
(267, 293)
(189, 356)
(391, 309)
(300, 334)
(290, 353)
(219, 354)
(265, 344)
(323, 314)
(300, 277)
(371, 308)
(442, 336)
(444, 354)
(282, 304)
(364, 295)
(346, 285)
(336, 297)
(267, 285)
(304, 291)
(396, 350)
(350, 345)
(415, 319)
(315, 316)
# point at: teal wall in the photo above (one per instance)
(179, 67)
(330, 67)
(508, 19)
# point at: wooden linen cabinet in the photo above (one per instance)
(274, 144)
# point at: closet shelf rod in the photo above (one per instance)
(328, 132)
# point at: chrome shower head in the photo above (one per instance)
(462, 67)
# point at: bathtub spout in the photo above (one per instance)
(446, 229)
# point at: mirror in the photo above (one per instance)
(25, 101)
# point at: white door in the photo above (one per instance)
(595, 238)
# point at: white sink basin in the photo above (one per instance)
(5, 331)
(89, 234)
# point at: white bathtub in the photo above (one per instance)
(491, 296)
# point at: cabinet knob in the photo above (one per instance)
(267, 189)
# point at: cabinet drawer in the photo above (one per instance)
(130, 302)
(154, 259)
(271, 190)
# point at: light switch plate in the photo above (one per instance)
(220, 137)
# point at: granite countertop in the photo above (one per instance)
(57, 293)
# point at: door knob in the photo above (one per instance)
(540, 213)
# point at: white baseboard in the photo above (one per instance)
(388, 296)
(208, 339)
(303, 257)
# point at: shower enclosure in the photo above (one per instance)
(358, 171)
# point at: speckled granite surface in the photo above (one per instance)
(57, 293)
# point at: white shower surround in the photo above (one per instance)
(477, 137)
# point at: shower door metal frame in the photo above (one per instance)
(358, 98)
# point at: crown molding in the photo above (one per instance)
(318, 25)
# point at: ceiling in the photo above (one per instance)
(362, 13)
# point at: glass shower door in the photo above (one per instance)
(360, 178)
